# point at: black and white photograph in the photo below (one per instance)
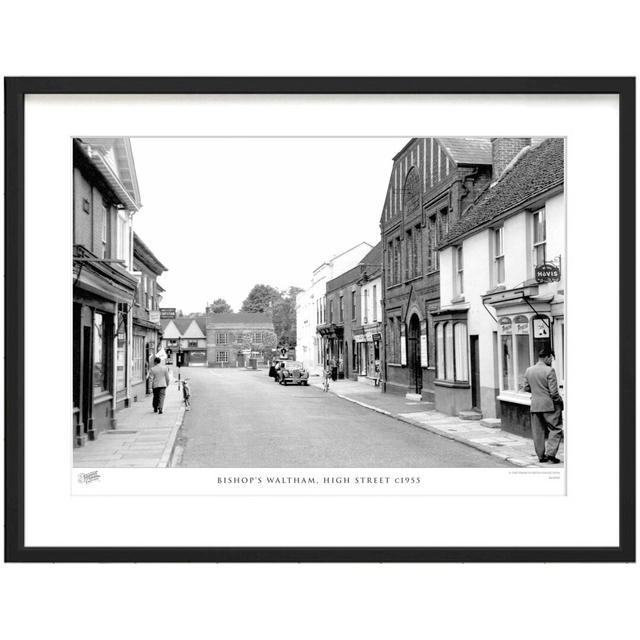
(319, 302)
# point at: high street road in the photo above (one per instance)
(241, 418)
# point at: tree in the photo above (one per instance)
(261, 298)
(220, 305)
(284, 317)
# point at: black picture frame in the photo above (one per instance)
(15, 91)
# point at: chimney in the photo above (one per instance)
(503, 151)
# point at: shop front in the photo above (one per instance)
(527, 324)
(368, 361)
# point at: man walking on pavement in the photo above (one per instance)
(160, 379)
(546, 407)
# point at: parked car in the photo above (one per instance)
(292, 371)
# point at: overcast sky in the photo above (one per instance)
(223, 214)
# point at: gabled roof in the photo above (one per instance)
(182, 325)
(537, 170)
(468, 150)
(114, 160)
(240, 317)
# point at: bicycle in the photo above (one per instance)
(186, 393)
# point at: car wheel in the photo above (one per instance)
(306, 383)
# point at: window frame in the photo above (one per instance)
(498, 257)
(541, 213)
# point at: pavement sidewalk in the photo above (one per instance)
(142, 438)
(494, 441)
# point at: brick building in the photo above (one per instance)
(235, 338)
(433, 180)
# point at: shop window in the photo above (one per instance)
(440, 351)
(518, 343)
(102, 332)
(137, 370)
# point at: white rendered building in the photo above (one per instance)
(310, 305)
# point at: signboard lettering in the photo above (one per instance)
(547, 272)
(167, 313)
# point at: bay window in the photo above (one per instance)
(452, 350)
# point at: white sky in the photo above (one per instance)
(216, 211)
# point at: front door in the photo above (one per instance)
(413, 354)
(475, 371)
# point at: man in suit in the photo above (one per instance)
(546, 407)
(160, 379)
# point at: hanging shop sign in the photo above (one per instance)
(167, 313)
(154, 316)
(541, 328)
(547, 272)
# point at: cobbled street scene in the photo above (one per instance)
(318, 303)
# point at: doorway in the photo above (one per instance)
(474, 349)
(413, 355)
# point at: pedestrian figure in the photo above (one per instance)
(326, 375)
(334, 369)
(160, 379)
(546, 407)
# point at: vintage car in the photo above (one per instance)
(293, 372)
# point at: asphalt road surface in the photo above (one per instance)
(242, 418)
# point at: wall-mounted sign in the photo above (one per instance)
(547, 273)
(154, 316)
(167, 313)
(403, 344)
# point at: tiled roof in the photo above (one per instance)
(468, 150)
(538, 169)
(241, 317)
(374, 256)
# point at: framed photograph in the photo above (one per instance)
(319, 319)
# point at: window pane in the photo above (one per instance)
(440, 348)
(499, 270)
(507, 363)
(462, 367)
(448, 344)
(100, 352)
(522, 354)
